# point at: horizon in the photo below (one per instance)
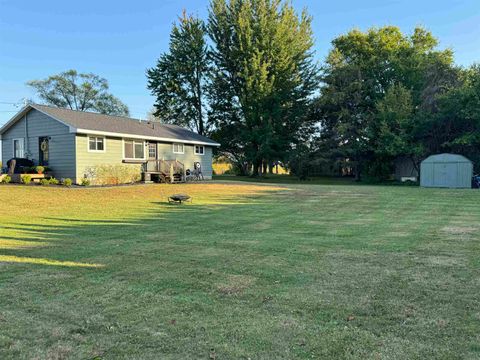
(102, 45)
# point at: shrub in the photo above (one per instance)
(114, 174)
(26, 179)
(44, 182)
(39, 169)
(231, 171)
(53, 181)
(85, 182)
(6, 179)
(67, 182)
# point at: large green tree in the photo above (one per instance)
(360, 71)
(180, 78)
(263, 79)
(456, 123)
(82, 92)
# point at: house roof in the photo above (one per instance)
(93, 123)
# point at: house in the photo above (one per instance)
(72, 143)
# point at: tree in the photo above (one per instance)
(361, 69)
(457, 120)
(82, 92)
(394, 132)
(180, 78)
(263, 79)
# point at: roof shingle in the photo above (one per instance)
(122, 125)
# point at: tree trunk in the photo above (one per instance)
(272, 165)
(358, 168)
(201, 129)
(248, 168)
(257, 168)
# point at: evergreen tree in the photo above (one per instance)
(263, 80)
(180, 78)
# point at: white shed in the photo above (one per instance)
(446, 171)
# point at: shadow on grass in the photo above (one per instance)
(88, 243)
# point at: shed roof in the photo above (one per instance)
(89, 122)
(446, 158)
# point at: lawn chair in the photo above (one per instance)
(197, 171)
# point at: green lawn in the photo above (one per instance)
(287, 179)
(246, 271)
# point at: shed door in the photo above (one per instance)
(445, 174)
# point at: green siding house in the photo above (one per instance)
(71, 143)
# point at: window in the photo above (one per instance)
(178, 149)
(96, 143)
(152, 150)
(134, 149)
(18, 149)
(199, 150)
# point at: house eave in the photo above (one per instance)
(14, 119)
(143, 137)
(22, 113)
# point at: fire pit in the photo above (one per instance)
(179, 198)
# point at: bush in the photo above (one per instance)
(85, 182)
(44, 182)
(26, 179)
(39, 169)
(53, 181)
(231, 171)
(114, 174)
(67, 182)
(6, 179)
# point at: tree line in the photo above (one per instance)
(247, 77)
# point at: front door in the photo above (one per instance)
(43, 151)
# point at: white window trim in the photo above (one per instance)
(178, 152)
(134, 141)
(197, 153)
(97, 137)
(23, 146)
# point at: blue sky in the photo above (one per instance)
(119, 40)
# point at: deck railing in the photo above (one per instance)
(168, 168)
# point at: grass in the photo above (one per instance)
(246, 271)
(289, 179)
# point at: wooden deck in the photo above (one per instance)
(166, 171)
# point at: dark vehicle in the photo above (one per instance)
(21, 165)
(476, 181)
